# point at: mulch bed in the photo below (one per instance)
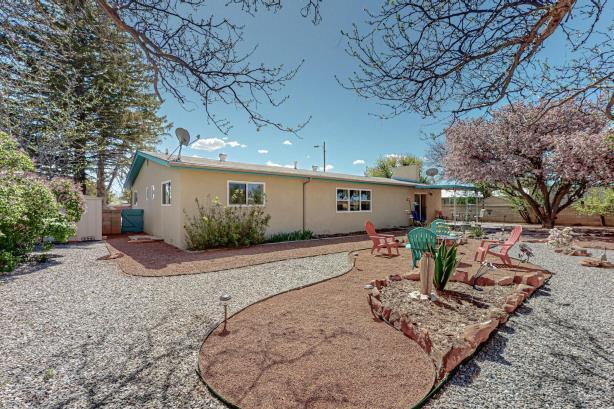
(321, 347)
(458, 306)
(158, 259)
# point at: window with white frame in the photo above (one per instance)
(353, 200)
(166, 193)
(245, 193)
(153, 189)
(146, 192)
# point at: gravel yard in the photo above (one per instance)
(556, 352)
(76, 332)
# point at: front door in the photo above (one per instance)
(420, 205)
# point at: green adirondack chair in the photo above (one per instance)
(440, 227)
(419, 241)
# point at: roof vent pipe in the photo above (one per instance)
(295, 164)
(314, 168)
(223, 157)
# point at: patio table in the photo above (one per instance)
(450, 239)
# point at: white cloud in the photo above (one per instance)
(393, 155)
(358, 162)
(208, 144)
(329, 167)
(263, 151)
(225, 138)
(213, 144)
(287, 142)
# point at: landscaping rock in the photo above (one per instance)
(509, 308)
(455, 356)
(527, 289)
(395, 277)
(536, 280)
(460, 276)
(484, 281)
(509, 280)
(477, 333)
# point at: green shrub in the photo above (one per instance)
(445, 264)
(32, 210)
(216, 225)
(291, 236)
(475, 232)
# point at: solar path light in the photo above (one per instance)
(224, 301)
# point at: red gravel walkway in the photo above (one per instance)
(319, 347)
(160, 259)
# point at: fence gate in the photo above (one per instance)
(132, 220)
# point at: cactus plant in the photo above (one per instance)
(445, 264)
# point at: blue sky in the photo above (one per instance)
(338, 116)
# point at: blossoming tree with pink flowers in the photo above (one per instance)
(548, 161)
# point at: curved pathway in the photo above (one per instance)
(318, 347)
(77, 332)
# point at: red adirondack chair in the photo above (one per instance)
(381, 241)
(487, 247)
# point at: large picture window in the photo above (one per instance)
(353, 200)
(166, 193)
(245, 193)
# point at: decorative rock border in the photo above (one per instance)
(473, 335)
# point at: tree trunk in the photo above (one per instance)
(602, 218)
(548, 221)
(101, 190)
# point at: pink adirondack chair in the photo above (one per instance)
(381, 241)
(487, 247)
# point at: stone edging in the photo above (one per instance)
(474, 335)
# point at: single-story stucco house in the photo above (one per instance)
(323, 202)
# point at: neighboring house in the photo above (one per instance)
(323, 202)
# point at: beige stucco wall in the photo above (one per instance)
(282, 195)
(161, 221)
(284, 201)
(389, 207)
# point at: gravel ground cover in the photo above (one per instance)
(76, 332)
(555, 352)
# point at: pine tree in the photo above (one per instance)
(74, 93)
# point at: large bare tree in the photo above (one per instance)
(188, 47)
(464, 55)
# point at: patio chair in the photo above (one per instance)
(440, 227)
(418, 220)
(488, 247)
(419, 241)
(381, 241)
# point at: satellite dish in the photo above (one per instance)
(183, 136)
(432, 172)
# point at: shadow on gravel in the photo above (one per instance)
(147, 373)
(29, 268)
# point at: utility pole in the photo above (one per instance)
(323, 146)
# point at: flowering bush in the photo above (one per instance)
(30, 210)
(560, 238)
(225, 226)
